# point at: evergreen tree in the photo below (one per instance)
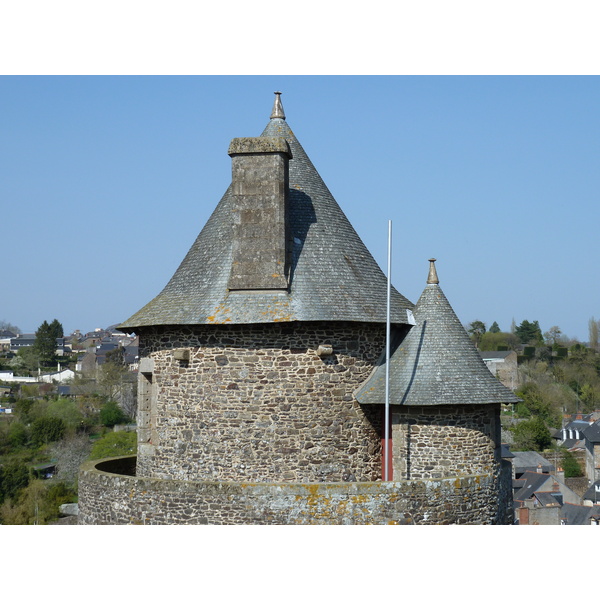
(529, 333)
(45, 343)
(495, 328)
(56, 329)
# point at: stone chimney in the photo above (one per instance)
(260, 171)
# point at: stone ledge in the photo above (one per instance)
(107, 497)
(259, 145)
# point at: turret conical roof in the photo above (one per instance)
(436, 363)
(332, 276)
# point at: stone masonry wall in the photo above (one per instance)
(257, 403)
(445, 441)
(108, 498)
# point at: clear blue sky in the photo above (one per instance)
(105, 182)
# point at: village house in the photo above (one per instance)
(503, 365)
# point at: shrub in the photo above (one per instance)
(570, 465)
(112, 414)
(532, 435)
(47, 429)
(115, 443)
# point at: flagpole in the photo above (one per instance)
(387, 358)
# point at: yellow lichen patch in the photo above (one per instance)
(217, 318)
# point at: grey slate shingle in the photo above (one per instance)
(592, 433)
(333, 275)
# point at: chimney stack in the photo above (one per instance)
(260, 181)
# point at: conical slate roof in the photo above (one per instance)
(333, 277)
(436, 363)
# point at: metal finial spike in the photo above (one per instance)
(432, 278)
(277, 112)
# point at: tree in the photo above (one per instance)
(37, 504)
(537, 404)
(110, 379)
(116, 356)
(494, 341)
(570, 465)
(25, 361)
(593, 329)
(8, 326)
(532, 435)
(45, 343)
(552, 336)
(529, 333)
(56, 329)
(476, 329)
(67, 410)
(17, 435)
(47, 429)
(112, 414)
(495, 328)
(14, 476)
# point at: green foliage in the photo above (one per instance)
(14, 475)
(45, 343)
(47, 429)
(537, 403)
(18, 436)
(115, 443)
(531, 435)
(66, 410)
(495, 328)
(529, 333)
(491, 341)
(112, 414)
(521, 411)
(476, 329)
(24, 362)
(590, 397)
(36, 504)
(56, 329)
(570, 465)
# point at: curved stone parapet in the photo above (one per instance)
(109, 496)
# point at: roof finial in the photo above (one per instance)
(277, 112)
(433, 278)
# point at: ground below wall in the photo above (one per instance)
(109, 496)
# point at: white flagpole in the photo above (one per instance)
(387, 358)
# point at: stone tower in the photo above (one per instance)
(251, 353)
(445, 403)
(262, 376)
